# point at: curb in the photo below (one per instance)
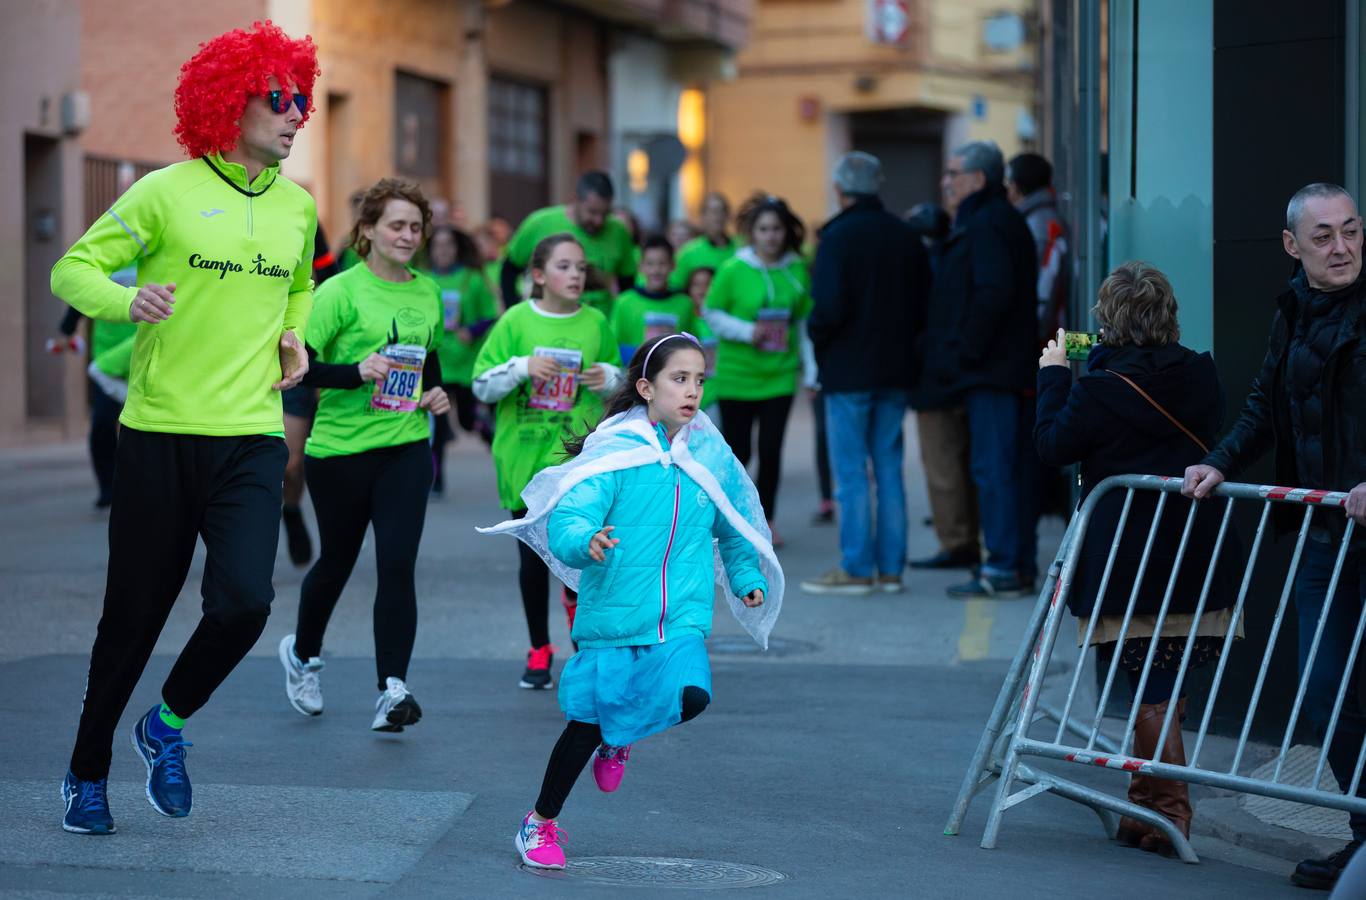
(1222, 817)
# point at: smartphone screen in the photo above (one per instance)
(1079, 343)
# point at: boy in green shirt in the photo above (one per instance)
(224, 248)
(651, 310)
(605, 239)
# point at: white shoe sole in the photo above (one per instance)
(526, 860)
(846, 590)
(898, 588)
(283, 653)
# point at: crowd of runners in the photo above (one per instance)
(239, 363)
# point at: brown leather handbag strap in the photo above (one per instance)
(1158, 406)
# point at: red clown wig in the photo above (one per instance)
(216, 82)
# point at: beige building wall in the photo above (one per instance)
(39, 63)
(781, 123)
(131, 53)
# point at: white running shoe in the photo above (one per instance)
(303, 684)
(395, 708)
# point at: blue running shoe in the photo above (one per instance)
(87, 806)
(168, 784)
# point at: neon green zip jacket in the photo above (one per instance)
(241, 258)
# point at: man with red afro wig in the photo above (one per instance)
(223, 245)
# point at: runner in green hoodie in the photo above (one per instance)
(224, 248)
(756, 308)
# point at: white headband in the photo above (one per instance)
(683, 334)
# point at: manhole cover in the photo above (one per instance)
(655, 872)
(740, 643)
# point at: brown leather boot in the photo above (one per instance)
(1170, 798)
(1131, 831)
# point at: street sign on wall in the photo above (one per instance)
(889, 22)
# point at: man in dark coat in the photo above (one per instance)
(978, 348)
(871, 275)
(1308, 404)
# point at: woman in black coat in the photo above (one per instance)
(1104, 423)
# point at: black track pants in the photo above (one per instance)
(171, 489)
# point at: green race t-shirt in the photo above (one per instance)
(531, 423)
(776, 299)
(356, 314)
(700, 253)
(638, 317)
(610, 252)
(466, 299)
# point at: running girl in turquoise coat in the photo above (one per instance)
(650, 518)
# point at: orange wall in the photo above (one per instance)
(131, 53)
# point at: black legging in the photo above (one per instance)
(737, 424)
(387, 487)
(533, 576)
(575, 747)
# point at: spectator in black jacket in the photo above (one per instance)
(1308, 403)
(871, 275)
(978, 348)
(1107, 425)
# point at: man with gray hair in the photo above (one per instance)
(977, 349)
(871, 279)
(1308, 404)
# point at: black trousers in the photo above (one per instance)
(104, 438)
(822, 449)
(575, 747)
(738, 418)
(387, 488)
(172, 488)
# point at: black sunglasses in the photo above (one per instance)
(279, 104)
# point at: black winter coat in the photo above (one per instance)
(979, 328)
(1105, 425)
(872, 275)
(1264, 423)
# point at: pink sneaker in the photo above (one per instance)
(609, 765)
(539, 843)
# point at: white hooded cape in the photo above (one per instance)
(627, 440)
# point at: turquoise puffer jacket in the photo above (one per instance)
(659, 582)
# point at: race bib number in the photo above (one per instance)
(557, 393)
(450, 308)
(771, 330)
(399, 391)
(659, 324)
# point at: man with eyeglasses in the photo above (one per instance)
(1308, 406)
(977, 350)
(223, 245)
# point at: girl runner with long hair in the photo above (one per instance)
(637, 521)
(756, 307)
(547, 365)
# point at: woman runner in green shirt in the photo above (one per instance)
(469, 310)
(756, 307)
(548, 364)
(710, 249)
(372, 340)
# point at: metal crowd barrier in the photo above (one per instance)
(1019, 708)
